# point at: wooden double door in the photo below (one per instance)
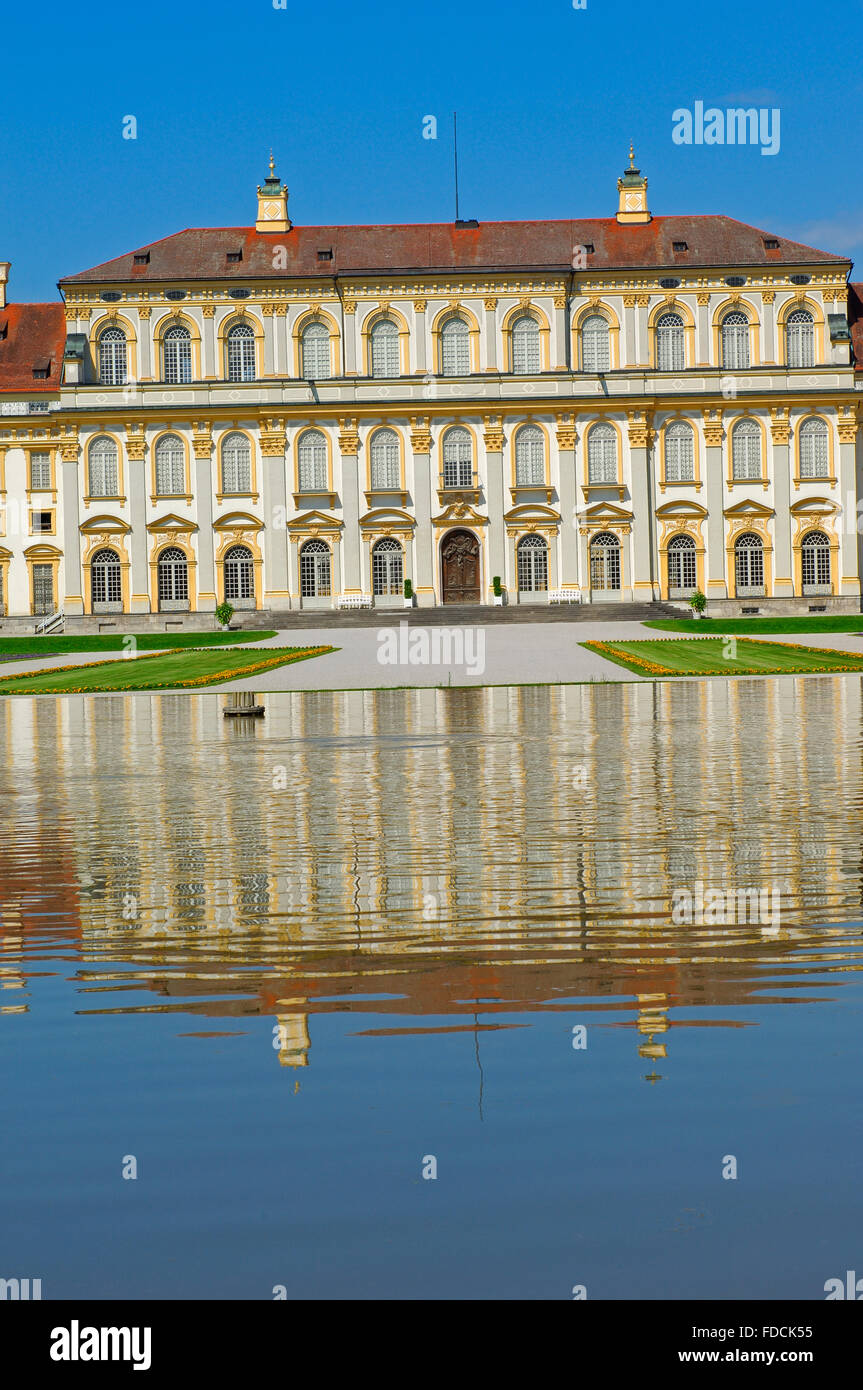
(460, 569)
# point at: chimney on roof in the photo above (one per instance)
(632, 194)
(273, 204)
(5, 267)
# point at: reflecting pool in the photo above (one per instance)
(478, 993)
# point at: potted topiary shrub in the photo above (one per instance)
(698, 603)
(224, 614)
(497, 591)
(409, 594)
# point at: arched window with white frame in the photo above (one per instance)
(455, 347)
(384, 348)
(682, 568)
(749, 564)
(457, 457)
(239, 572)
(670, 343)
(241, 352)
(106, 585)
(746, 450)
(532, 564)
(529, 456)
(312, 461)
(605, 562)
(387, 568)
(112, 357)
(315, 350)
(385, 460)
(172, 571)
(315, 581)
(814, 449)
(170, 466)
(177, 355)
(815, 563)
(735, 341)
(595, 345)
(800, 339)
(236, 463)
(103, 474)
(524, 339)
(602, 454)
(679, 452)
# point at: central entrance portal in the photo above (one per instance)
(459, 555)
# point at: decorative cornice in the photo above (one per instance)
(349, 439)
(202, 439)
(420, 434)
(492, 434)
(136, 442)
(271, 433)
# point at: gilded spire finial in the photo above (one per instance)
(631, 155)
(272, 166)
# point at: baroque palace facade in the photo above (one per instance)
(305, 417)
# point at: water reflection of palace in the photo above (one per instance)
(465, 851)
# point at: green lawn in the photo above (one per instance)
(753, 626)
(169, 671)
(144, 642)
(713, 656)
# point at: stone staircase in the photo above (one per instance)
(461, 615)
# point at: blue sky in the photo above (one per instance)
(548, 98)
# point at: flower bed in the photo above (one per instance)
(284, 656)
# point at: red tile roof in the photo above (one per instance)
(201, 253)
(34, 334)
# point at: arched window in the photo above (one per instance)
(387, 568)
(385, 348)
(605, 561)
(173, 577)
(103, 472)
(177, 355)
(455, 347)
(814, 452)
(312, 462)
(532, 565)
(746, 450)
(749, 564)
(241, 352)
(800, 339)
(315, 348)
(735, 341)
(236, 463)
(529, 456)
(670, 344)
(240, 577)
(112, 357)
(815, 556)
(525, 345)
(385, 462)
(682, 576)
(602, 454)
(679, 452)
(106, 589)
(170, 466)
(595, 349)
(457, 458)
(315, 570)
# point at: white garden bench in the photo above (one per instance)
(355, 601)
(565, 596)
